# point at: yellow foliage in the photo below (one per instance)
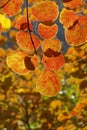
(29, 75)
(85, 128)
(72, 53)
(70, 127)
(68, 67)
(2, 52)
(22, 83)
(74, 80)
(60, 128)
(55, 103)
(13, 99)
(49, 125)
(5, 22)
(22, 90)
(84, 8)
(64, 115)
(84, 11)
(2, 97)
(74, 69)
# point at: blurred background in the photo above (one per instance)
(22, 107)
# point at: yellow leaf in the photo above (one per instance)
(5, 22)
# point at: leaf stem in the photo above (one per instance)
(29, 30)
(5, 4)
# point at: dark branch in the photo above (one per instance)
(27, 118)
(5, 4)
(29, 30)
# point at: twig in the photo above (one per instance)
(5, 4)
(77, 61)
(27, 118)
(26, 113)
(29, 30)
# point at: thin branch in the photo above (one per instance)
(29, 30)
(25, 121)
(5, 4)
(77, 61)
(27, 117)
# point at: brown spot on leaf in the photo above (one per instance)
(29, 65)
(23, 26)
(49, 53)
(64, 1)
(48, 23)
(75, 22)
